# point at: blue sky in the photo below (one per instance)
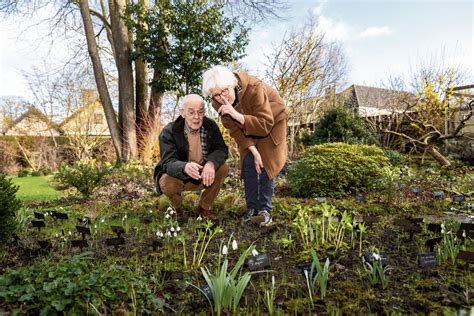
(380, 38)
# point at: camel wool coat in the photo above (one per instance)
(265, 123)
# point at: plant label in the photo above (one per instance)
(39, 215)
(415, 190)
(59, 215)
(258, 262)
(439, 195)
(459, 198)
(44, 244)
(118, 230)
(435, 228)
(79, 243)
(38, 224)
(360, 198)
(431, 243)
(83, 230)
(115, 242)
(427, 260)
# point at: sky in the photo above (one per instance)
(379, 38)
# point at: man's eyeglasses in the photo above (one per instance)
(193, 114)
(223, 93)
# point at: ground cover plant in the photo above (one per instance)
(399, 249)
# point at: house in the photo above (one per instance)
(32, 123)
(89, 120)
(466, 95)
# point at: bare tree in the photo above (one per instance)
(303, 68)
(435, 112)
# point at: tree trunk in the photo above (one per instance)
(125, 77)
(100, 79)
(141, 93)
(438, 156)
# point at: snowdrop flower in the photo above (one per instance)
(69, 233)
(95, 226)
(199, 218)
(178, 228)
(167, 216)
(150, 211)
(172, 212)
(224, 250)
(102, 220)
(175, 234)
(463, 234)
(254, 252)
(234, 245)
(172, 229)
(273, 280)
(168, 233)
(56, 235)
(169, 209)
(376, 256)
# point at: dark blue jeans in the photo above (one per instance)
(258, 187)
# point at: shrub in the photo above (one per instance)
(9, 204)
(36, 173)
(22, 173)
(339, 124)
(85, 176)
(76, 286)
(335, 169)
(395, 158)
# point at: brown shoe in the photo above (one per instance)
(208, 214)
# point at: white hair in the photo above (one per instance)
(217, 77)
(192, 97)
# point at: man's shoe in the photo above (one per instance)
(248, 215)
(208, 214)
(263, 218)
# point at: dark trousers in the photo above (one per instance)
(258, 187)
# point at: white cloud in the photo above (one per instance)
(334, 30)
(376, 31)
(318, 9)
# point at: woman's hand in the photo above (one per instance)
(228, 109)
(257, 159)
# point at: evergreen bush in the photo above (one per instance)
(9, 204)
(335, 169)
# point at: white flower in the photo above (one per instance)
(158, 234)
(234, 245)
(199, 218)
(151, 211)
(56, 235)
(376, 256)
(172, 229)
(224, 250)
(172, 212)
(95, 226)
(168, 233)
(442, 230)
(169, 209)
(178, 228)
(69, 233)
(167, 216)
(463, 234)
(254, 252)
(273, 280)
(175, 234)
(102, 220)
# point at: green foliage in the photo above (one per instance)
(376, 272)
(335, 169)
(75, 286)
(85, 176)
(23, 173)
(395, 158)
(227, 287)
(339, 124)
(9, 204)
(36, 173)
(318, 275)
(182, 39)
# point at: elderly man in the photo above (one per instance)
(192, 157)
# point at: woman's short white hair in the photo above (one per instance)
(217, 77)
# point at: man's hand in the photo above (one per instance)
(193, 170)
(227, 108)
(208, 174)
(257, 159)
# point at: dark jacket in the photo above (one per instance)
(174, 150)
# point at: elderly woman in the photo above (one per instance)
(255, 115)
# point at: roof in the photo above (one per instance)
(31, 112)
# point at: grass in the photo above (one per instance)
(35, 189)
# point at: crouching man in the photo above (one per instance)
(192, 157)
